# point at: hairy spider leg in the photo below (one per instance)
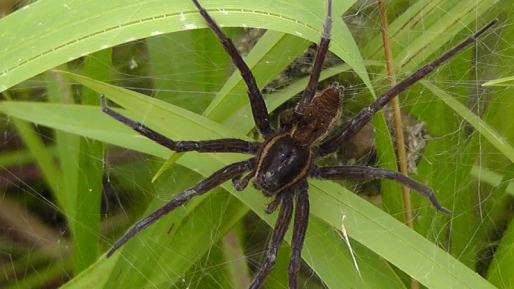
(301, 217)
(273, 205)
(241, 183)
(363, 117)
(281, 226)
(360, 172)
(217, 178)
(224, 145)
(259, 110)
(321, 52)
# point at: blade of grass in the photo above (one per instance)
(500, 271)
(430, 25)
(69, 147)
(86, 26)
(188, 67)
(86, 220)
(233, 251)
(485, 130)
(43, 159)
(500, 82)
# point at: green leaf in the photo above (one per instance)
(485, 130)
(500, 82)
(86, 26)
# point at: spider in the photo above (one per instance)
(286, 157)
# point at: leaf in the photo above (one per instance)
(485, 130)
(499, 82)
(86, 26)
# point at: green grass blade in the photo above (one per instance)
(88, 199)
(500, 271)
(492, 178)
(485, 130)
(500, 82)
(188, 67)
(431, 24)
(69, 148)
(86, 26)
(43, 159)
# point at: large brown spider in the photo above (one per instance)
(286, 157)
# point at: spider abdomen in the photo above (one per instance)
(281, 164)
(319, 116)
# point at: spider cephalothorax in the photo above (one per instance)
(286, 157)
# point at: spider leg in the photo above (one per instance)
(259, 110)
(281, 226)
(356, 124)
(273, 205)
(321, 52)
(225, 145)
(241, 183)
(217, 178)
(358, 172)
(301, 220)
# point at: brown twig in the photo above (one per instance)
(398, 127)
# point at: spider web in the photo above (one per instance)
(445, 151)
